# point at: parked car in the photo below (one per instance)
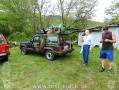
(48, 44)
(4, 48)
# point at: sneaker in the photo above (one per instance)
(102, 69)
(85, 64)
(111, 70)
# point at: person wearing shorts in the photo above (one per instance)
(108, 38)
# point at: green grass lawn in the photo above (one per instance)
(35, 72)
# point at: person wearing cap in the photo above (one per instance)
(108, 38)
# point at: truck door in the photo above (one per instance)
(36, 43)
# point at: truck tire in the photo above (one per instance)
(49, 55)
(5, 59)
(24, 51)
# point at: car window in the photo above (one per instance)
(2, 40)
(64, 37)
(52, 39)
(36, 39)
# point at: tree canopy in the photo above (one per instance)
(113, 12)
(21, 18)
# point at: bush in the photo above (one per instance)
(18, 36)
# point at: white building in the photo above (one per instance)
(115, 29)
(97, 35)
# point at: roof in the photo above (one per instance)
(44, 34)
(94, 29)
(98, 28)
(113, 25)
(63, 33)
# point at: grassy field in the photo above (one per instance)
(34, 72)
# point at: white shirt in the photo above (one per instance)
(87, 40)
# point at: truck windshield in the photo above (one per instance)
(52, 39)
(2, 40)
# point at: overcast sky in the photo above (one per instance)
(100, 9)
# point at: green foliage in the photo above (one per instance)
(21, 18)
(113, 11)
(18, 36)
(73, 36)
(32, 71)
(4, 23)
(16, 17)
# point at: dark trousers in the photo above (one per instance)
(86, 53)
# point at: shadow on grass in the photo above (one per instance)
(2, 61)
(57, 57)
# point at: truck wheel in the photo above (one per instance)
(23, 51)
(5, 58)
(49, 55)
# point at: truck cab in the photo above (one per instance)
(4, 48)
(48, 44)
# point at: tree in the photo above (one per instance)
(113, 12)
(84, 11)
(81, 10)
(44, 10)
(65, 8)
(18, 16)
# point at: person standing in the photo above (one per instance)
(87, 41)
(108, 38)
(52, 29)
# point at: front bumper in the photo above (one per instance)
(4, 54)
